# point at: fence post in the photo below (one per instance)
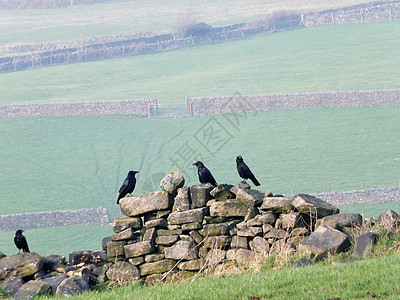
(148, 110)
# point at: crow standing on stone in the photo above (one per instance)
(128, 186)
(20, 241)
(244, 171)
(205, 175)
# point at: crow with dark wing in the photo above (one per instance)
(128, 186)
(205, 175)
(20, 241)
(244, 171)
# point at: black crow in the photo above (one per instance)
(128, 186)
(20, 241)
(244, 171)
(205, 175)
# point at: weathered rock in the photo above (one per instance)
(251, 213)
(115, 249)
(249, 197)
(157, 267)
(156, 223)
(99, 257)
(240, 185)
(313, 206)
(149, 235)
(153, 279)
(20, 265)
(281, 246)
(167, 240)
(364, 245)
(104, 242)
(49, 261)
(276, 234)
(32, 289)
(72, 286)
(214, 220)
(222, 192)
(239, 242)
(259, 245)
(165, 232)
(153, 257)
(123, 271)
(182, 250)
(200, 194)
(294, 220)
(244, 257)
(250, 231)
(302, 262)
(325, 240)
(172, 181)
(179, 277)
(390, 220)
(188, 216)
(219, 241)
(191, 226)
(185, 237)
(125, 234)
(12, 284)
(138, 249)
(2, 255)
(215, 256)
(78, 257)
(139, 205)
(196, 236)
(228, 208)
(121, 224)
(261, 219)
(182, 200)
(341, 220)
(277, 204)
(217, 229)
(55, 281)
(136, 260)
(191, 265)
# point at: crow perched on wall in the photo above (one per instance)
(205, 175)
(128, 186)
(20, 241)
(244, 171)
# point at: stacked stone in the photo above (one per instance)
(175, 233)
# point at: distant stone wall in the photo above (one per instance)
(272, 102)
(21, 57)
(140, 108)
(53, 218)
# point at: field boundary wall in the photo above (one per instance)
(53, 218)
(30, 56)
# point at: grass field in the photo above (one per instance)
(122, 17)
(373, 278)
(79, 162)
(331, 58)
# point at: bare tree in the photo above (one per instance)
(185, 20)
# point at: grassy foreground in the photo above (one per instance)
(372, 278)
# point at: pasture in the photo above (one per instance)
(77, 162)
(333, 58)
(122, 17)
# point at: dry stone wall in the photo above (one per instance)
(271, 102)
(173, 234)
(53, 218)
(141, 108)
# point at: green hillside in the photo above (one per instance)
(127, 16)
(333, 58)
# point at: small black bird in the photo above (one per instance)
(244, 171)
(205, 175)
(128, 186)
(20, 241)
